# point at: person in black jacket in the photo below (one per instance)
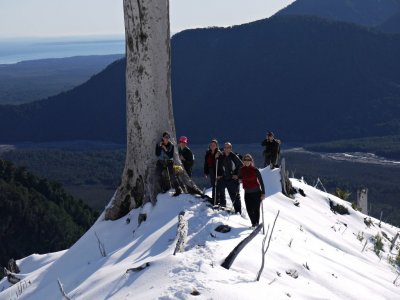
(186, 155)
(272, 150)
(165, 154)
(210, 168)
(228, 169)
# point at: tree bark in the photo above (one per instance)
(235, 252)
(148, 105)
(148, 101)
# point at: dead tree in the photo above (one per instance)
(101, 246)
(182, 232)
(264, 251)
(11, 276)
(63, 293)
(148, 102)
(235, 252)
(285, 181)
(138, 269)
(394, 241)
(12, 266)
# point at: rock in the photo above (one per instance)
(223, 228)
(292, 273)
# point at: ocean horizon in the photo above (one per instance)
(22, 49)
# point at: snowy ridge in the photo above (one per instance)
(325, 242)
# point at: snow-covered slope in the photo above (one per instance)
(310, 235)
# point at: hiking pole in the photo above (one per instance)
(215, 183)
(262, 215)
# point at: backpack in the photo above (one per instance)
(239, 155)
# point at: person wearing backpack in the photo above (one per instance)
(186, 155)
(254, 190)
(272, 150)
(228, 169)
(165, 162)
(210, 168)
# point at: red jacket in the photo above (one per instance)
(209, 161)
(251, 179)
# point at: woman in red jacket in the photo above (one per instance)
(254, 190)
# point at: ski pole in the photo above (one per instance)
(215, 183)
(262, 214)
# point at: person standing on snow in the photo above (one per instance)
(254, 190)
(210, 167)
(186, 155)
(272, 151)
(165, 154)
(228, 169)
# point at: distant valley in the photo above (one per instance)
(92, 171)
(38, 79)
(305, 78)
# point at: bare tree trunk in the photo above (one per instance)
(235, 252)
(148, 105)
(148, 101)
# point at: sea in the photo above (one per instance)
(13, 50)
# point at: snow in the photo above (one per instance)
(325, 242)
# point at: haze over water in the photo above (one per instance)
(16, 50)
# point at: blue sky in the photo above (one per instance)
(42, 18)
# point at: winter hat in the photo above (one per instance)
(183, 139)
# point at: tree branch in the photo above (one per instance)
(265, 251)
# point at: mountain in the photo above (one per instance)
(313, 253)
(317, 80)
(27, 81)
(37, 216)
(391, 25)
(363, 12)
(94, 110)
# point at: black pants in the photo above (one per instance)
(233, 189)
(169, 181)
(188, 169)
(253, 203)
(270, 160)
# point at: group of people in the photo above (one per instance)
(165, 162)
(225, 170)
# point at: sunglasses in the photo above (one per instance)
(247, 159)
(166, 137)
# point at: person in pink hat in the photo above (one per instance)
(186, 155)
